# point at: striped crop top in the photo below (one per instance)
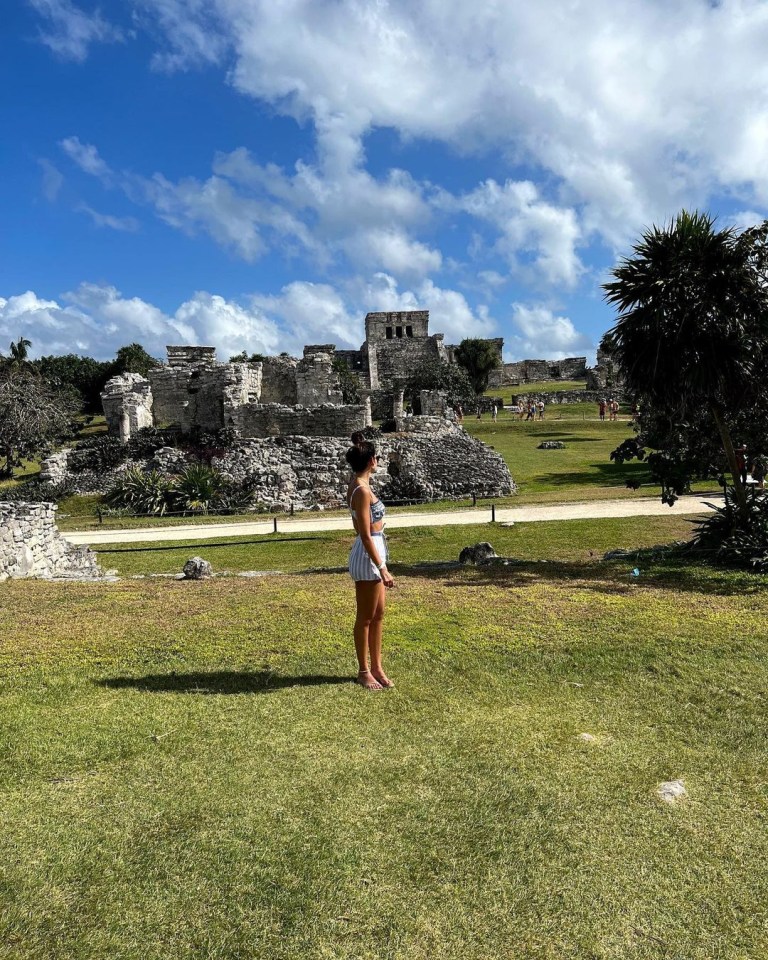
(377, 508)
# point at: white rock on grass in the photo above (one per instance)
(197, 569)
(672, 790)
(587, 737)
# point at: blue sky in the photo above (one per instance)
(258, 175)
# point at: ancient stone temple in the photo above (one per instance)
(275, 397)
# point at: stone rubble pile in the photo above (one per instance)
(431, 459)
(31, 545)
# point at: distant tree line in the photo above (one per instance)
(42, 400)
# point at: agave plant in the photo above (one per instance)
(143, 492)
(198, 488)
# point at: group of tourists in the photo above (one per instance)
(530, 409)
(611, 407)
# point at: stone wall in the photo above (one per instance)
(570, 396)
(316, 380)
(396, 325)
(31, 545)
(446, 464)
(433, 403)
(278, 380)
(356, 360)
(532, 371)
(391, 360)
(182, 356)
(127, 397)
(271, 420)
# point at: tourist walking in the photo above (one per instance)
(541, 409)
(494, 412)
(601, 409)
(368, 564)
(741, 462)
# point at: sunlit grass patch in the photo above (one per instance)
(188, 771)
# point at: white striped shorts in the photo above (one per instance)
(361, 567)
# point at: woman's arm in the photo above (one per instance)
(363, 517)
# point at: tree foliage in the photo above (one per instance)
(438, 375)
(349, 382)
(133, 358)
(691, 341)
(84, 374)
(33, 416)
(479, 358)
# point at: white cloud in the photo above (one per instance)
(743, 219)
(96, 319)
(393, 251)
(122, 224)
(323, 211)
(536, 238)
(52, 180)
(228, 326)
(311, 313)
(631, 111)
(540, 334)
(213, 206)
(87, 157)
(70, 31)
(117, 316)
(192, 29)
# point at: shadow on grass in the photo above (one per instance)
(601, 475)
(220, 682)
(614, 577)
(569, 437)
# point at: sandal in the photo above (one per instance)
(372, 684)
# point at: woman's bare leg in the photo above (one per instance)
(374, 638)
(367, 594)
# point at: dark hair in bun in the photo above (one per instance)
(360, 453)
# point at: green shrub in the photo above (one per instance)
(727, 538)
(143, 492)
(197, 489)
(97, 453)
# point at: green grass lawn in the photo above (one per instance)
(187, 771)
(571, 541)
(582, 471)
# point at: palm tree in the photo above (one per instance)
(19, 353)
(692, 329)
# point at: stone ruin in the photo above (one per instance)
(605, 376)
(287, 396)
(276, 396)
(31, 546)
(536, 371)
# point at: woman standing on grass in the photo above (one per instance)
(368, 564)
